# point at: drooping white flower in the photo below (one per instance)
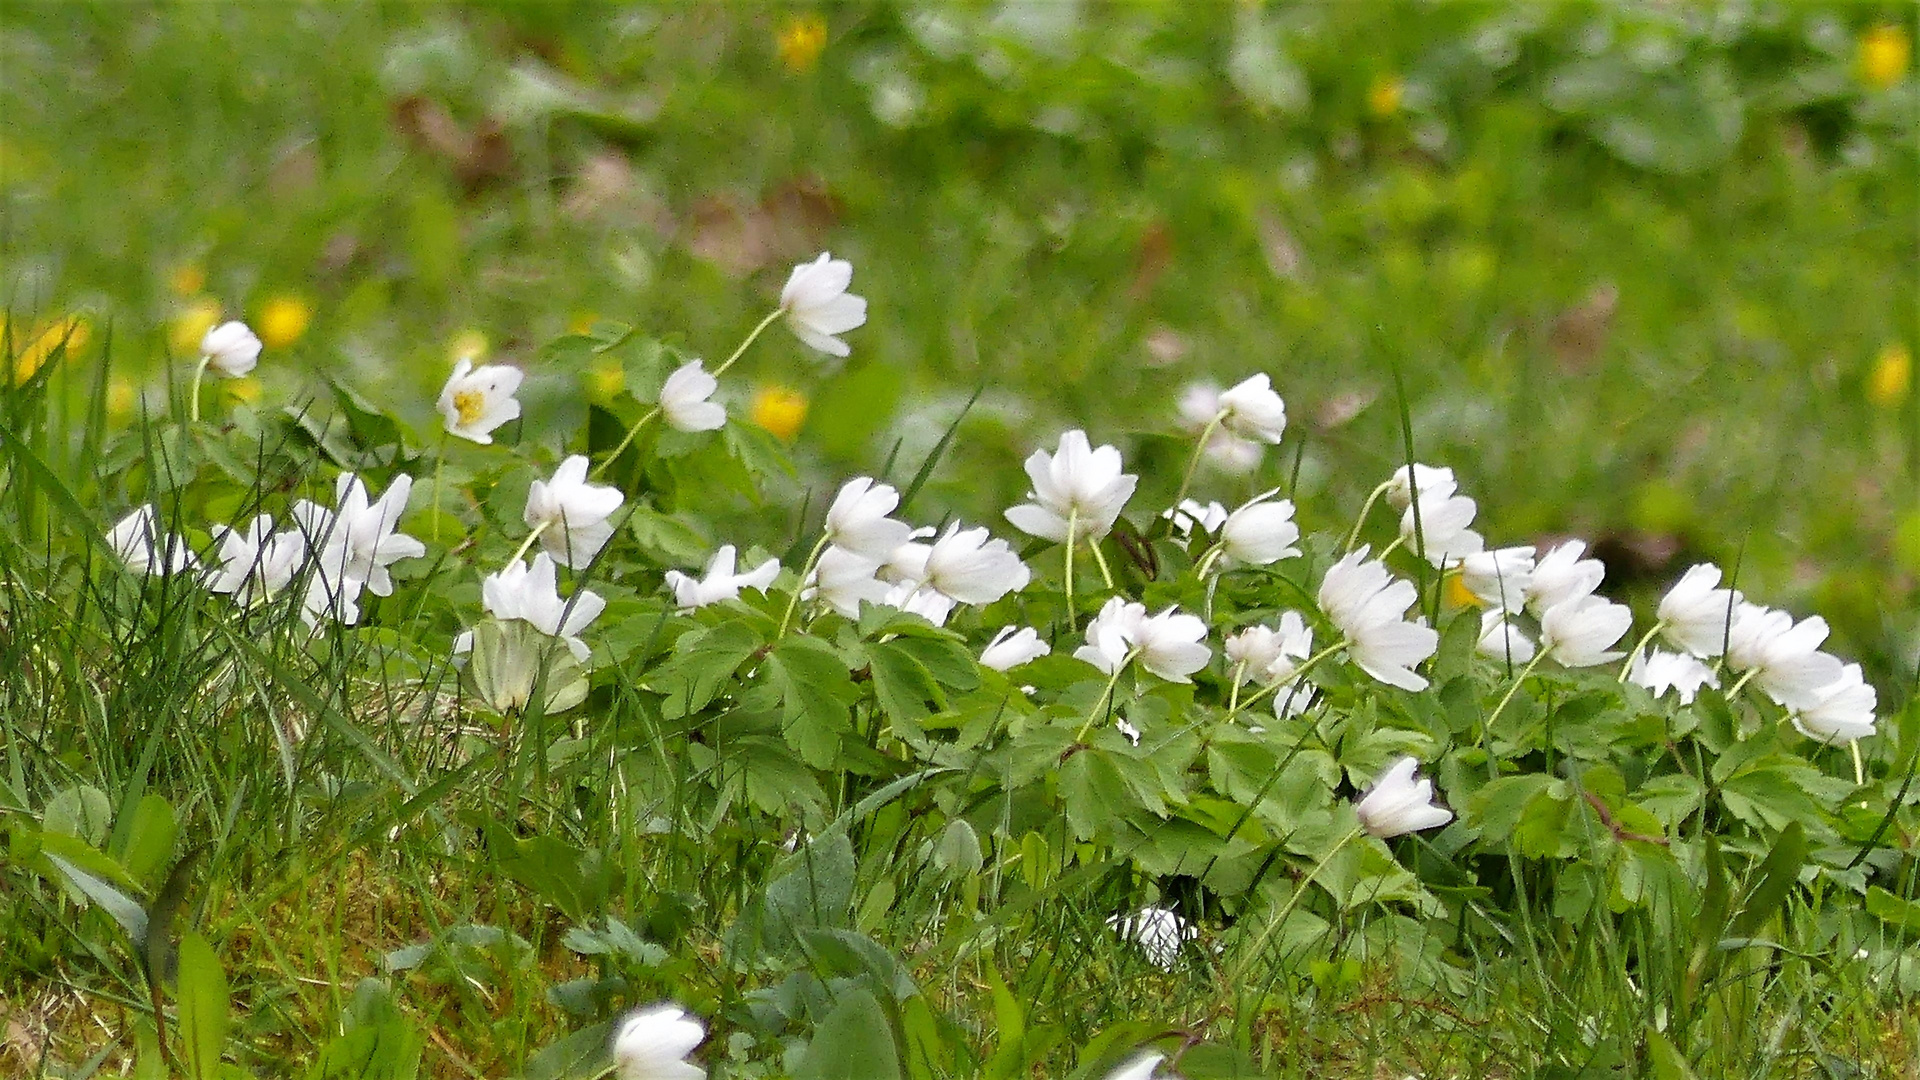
(231, 349)
(1782, 657)
(842, 579)
(1190, 515)
(968, 566)
(819, 307)
(254, 563)
(653, 1044)
(1440, 527)
(1260, 532)
(858, 520)
(1842, 711)
(1233, 454)
(330, 595)
(1433, 482)
(1697, 616)
(1140, 1068)
(357, 540)
(1369, 606)
(1398, 804)
(719, 582)
(137, 541)
(1660, 671)
(475, 401)
(1579, 631)
(1562, 574)
(573, 515)
(929, 603)
(685, 399)
(532, 595)
(1268, 656)
(1076, 484)
(1501, 640)
(1499, 578)
(1251, 410)
(1110, 634)
(1159, 932)
(1170, 644)
(1013, 646)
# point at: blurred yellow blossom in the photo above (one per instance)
(120, 399)
(187, 279)
(779, 409)
(1383, 97)
(1458, 595)
(245, 389)
(801, 40)
(605, 380)
(1884, 53)
(190, 327)
(468, 345)
(36, 345)
(1891, 377)
(283, 320)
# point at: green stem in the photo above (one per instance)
(1365, 509)
(1391, 548)
(1233, 698)
(439, 465)
(521, 551)
(193, 395)
(1193, 463)
(1286, 909)
(1100, 560)
(625, 442)
(1112, 681)
(1292, 680)
(1741, 683)
(1207, 560)
(813, 557)
(1073, 523)
(737, 353)
(1487, 725)
(1635, 651)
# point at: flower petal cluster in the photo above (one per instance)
(1781, 656)
(1260, 532)
(475, 401)
(858, 520)
(1251, 410)
(968, 566)
(231, 349)
(1501, 640)
(685, 399)
(573, 515)
(353, 544)
(719, 582)
(1660, 671)
(1398, 804)
(1579, 631)
(1431, 481)
(1013, 646)
(532, 595)
(137, 541)
(819, 307)
(1077, 485)
(1441, 527)
(1842, 711)
(1369, 606)
(1190, 515)
(843, 578)
(1142, 1067)
(1267, 655)
(1159, 932)
(653, 1044)
(1199, 407)
(1562, 574)
(256, 564)
(1170, 644)
(1499, 578)
(1697, 616)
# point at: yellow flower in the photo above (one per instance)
(243, 389)
(38, 344)
(1383, 97)
(120, 399)
(582, 322)
(1458, 595)
(468, 345)
(190, 326)
(1884, 52)
(1891, 377)
(779, 409)
(605, 380)
(283, 320)
(187, 279)
(801, 40)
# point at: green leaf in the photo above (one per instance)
(129, 914)
(1664, 1060)
(1893, 910)
(82, 811)
(1095, 793)
(202, 998)
(151, 838)
(579, 1056)
(815, 691)
(855, 1040)
(901, 683)
(1777, 877)
(702, 662)
(815, 890)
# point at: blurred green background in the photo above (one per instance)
(1647, 271)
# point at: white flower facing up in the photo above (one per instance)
(532, 595)
(1501, 640)
(1143, 1067)
(1579, 631)
(357, 540)
(1697, 616)
(819, 307)
(1440, 527)
(686, 399)
(719, 582)
(858, 520)
(137, 541)
(1499, 578)
(842, 579)
(1369, 607)
(1251, 410)
(475, 401)
(653, 1044)
(1013, 646)
(573, 515)
(1267, 655)
(968, 566)
(254, 563)
(1260, 532)
(1782, 656)
(1842, 711)
(1170, 644)
(1561, 574)
(1397, 803)
(1075, 485)
(1158, 931)
(1660, 671)
(231, 349)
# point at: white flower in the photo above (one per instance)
(1199, 406)
(136, 540)
(1232, 453)
(842, 579)
(1442, 530)
(1842, 711)
(1369, 607)
(684, 399)
(532, 595)
(1502, 640)
(1110, 635)
(653, 1044)
(1252, 410)
(1783, 656)
(1261, 532)
(1267, 656)
(857, 521)
(254, 564)
(477, 400)
(928, 603)
(1012, 647)
(1140, 1068)
(1159, 932)
(1697, 616)
(1190, 514)
(720, 582)
(1578, 631)
(1561, 574)
(572, 514)
(1500, 577)
(1398, 804)
(1077, 483)
(818, 305)
(330, 595)
(231, 349)
(1172, 644)
(1660, 671)
(967, 566)
(1433, 483)
(356, 541)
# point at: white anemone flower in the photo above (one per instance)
(819, 307)
(1369, 606)
(968, 566)
(842, 579)
(1561, 574)
(532, 595)
(1660, 671)
(1251, 410)
(1501, 640)
(719, 581)
(1397, 803)
(653, 1044)
(1260, 532)
(1190, 515)
(929, 603)
(1781, 656)
(1267, 655)
(136, 539)
(1170, 644)
(1013, 646)
(685, 399)
(1842, 711)
(1433, 482)
(1076, 485)
(475, 401)
(357, 540)
(1110, 635)
(1579, 631)
(1697, 616)
(255, 564)
(1499, 578)
(574, 516)
(1160, 933)
(1440, 527)
(858, 520)
(231, 349)
(1143, 1067)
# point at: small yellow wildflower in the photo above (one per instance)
(801, 40)
(120, 399)
(187, 279)
(605, 380)
(468, 345)
(1884, 53)
(1891, 377)
(283, 320)
(191, 325)
(244, 389)
(38, 344)
(582, 322)
(1383, 97)
(779, 409)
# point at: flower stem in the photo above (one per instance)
(1487, 724)
(193, 394)
(1635, 651)
(1200, 447)
(813, 557)
(1292, 680)
(528, 542)
(1112, 681)
(1365, 509)
(1207, 560)
(737, 353)
(608, 461)
(1073, 523)
(1741, 683)
(1100, 560)
(1286, 909)
(439, 466)
(1398, 541)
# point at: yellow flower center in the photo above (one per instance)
(470, 404)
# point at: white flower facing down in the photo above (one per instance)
(1432, 482)
(842, 579)
(1397, 803)
(1440, 527)
(1076, 484)
(231, 349)
(1499, 578)
(1697, 616)
(475, 401)
(719, 581)
(1251, 410)
(1260, 532)
(1158, 931)
(1842, 711)
(968, 566)
(1660, 671)
(1190, 515)
(1170, 644)
(1501, 640)
(685, 399)
(532, 595)
(1781, 656)
(1561, 574)
(928, 603)
(653, 1044)
(254, 563)
(573, 515)
(1143, 1067)
(1013, 646)
(1369, 606)
(858, 520)
(1579, 631)
(137, 541)
(819, 307)
(1267, 655)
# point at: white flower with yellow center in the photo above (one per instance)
(475, 401)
